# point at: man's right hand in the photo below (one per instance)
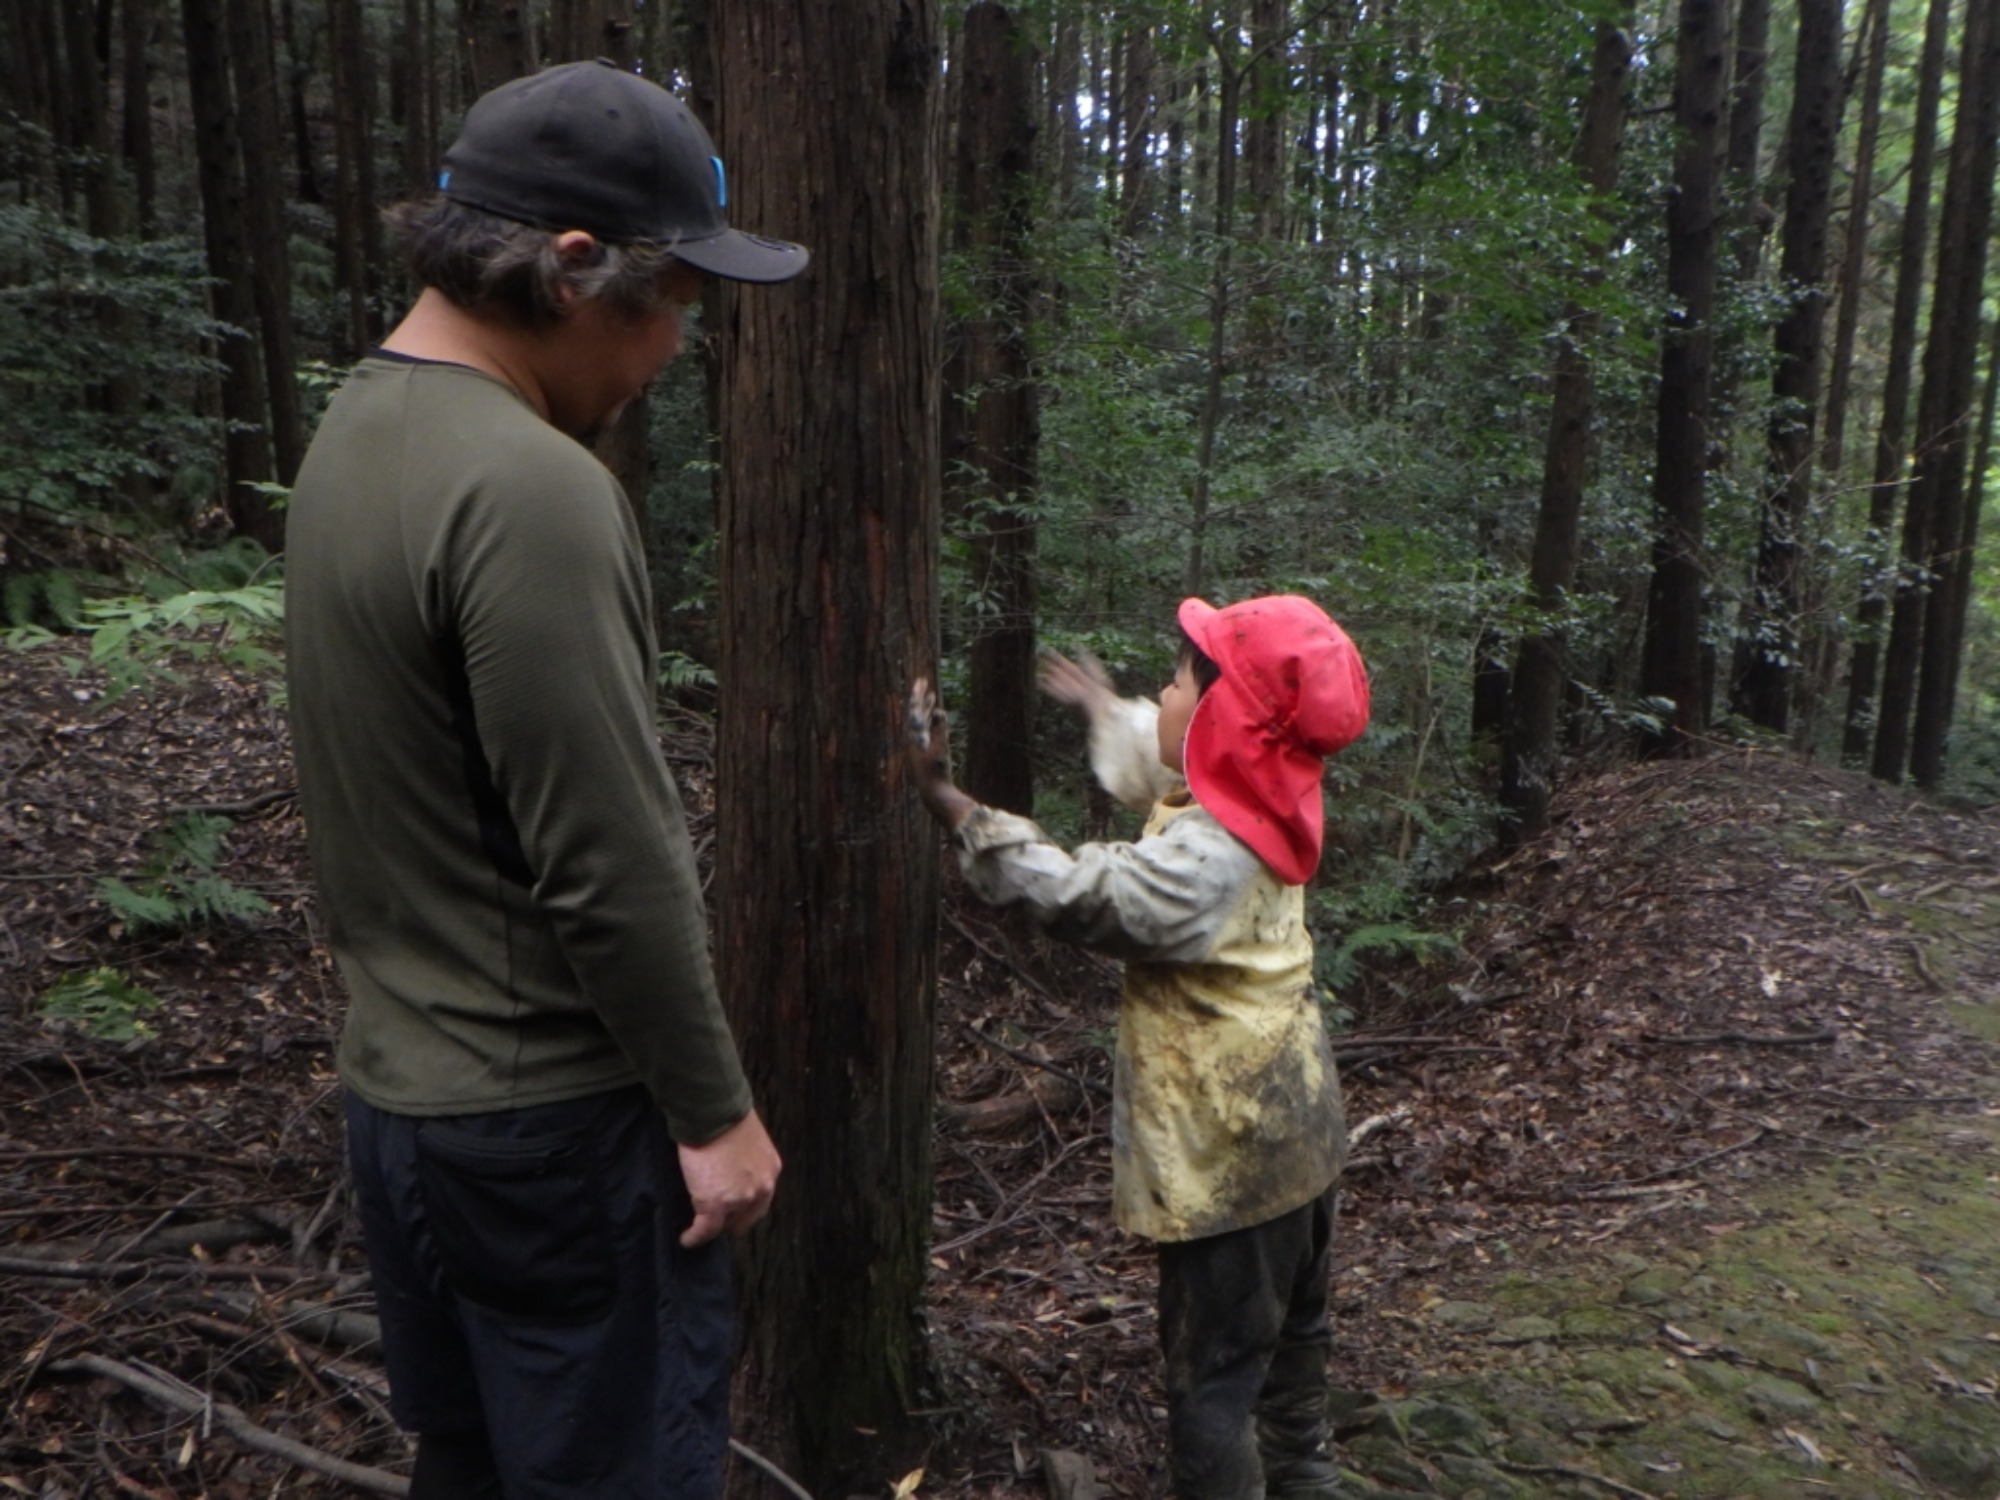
(730, 1179)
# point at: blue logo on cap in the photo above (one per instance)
(444, 180)
(721, 183)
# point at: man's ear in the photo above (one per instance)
(575, 249)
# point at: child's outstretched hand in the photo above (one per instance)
(1083, 684)
(929, 752)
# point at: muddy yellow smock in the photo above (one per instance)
(1226, 1108)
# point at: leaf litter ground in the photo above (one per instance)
(1716, 979)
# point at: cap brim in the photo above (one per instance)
(1195, 616)
(736, 256)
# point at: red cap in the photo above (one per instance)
(1292, 692)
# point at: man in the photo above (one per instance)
(549, 1127)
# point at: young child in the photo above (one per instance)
(1226, 1126)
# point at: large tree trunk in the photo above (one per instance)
(246, 452)
(827, 866)
(1943, 407)
(1858, 729)
(1962, 289)
(1671, 668)
(1140, 110)
(991, 439)
(1529, 750)
(1764, 696)
(254, 69)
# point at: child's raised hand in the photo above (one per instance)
(1083, 684)
(928, 749)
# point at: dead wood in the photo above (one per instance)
(176, 1395)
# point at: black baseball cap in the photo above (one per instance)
(590, 146)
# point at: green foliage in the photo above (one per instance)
(1340, 966)
(103, 1004)
(179, 886)
(101, 345)
(137, 640)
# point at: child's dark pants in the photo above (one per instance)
(1243, 1325)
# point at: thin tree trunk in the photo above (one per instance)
(298, 73)
(1141, 108)
(1811, 135)
(990, 450)
(1262, 103)
(827, 868)
(1750, 215)
(253, 68)
(137, 16)
(246, 452)
(1671, 666)
(1854, 257)
(1858, 729)
(1209, 421)
(499, 41)
(1065, 77)
(1975, 504)
(1529, 751)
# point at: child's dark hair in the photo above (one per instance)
(1206, 672)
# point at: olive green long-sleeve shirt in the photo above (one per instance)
(501, 855)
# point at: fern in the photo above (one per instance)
(180, 886)
(103, 1004)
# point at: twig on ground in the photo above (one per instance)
(1571, 1471)
(1005, 961)
(751, 1455)
(131, 1270)
(1743, 1038)
(1088, 1085)
(241, 809)
(181, 1397)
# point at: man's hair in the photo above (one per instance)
(480, 260)
(1206, 672)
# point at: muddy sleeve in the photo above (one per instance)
(1164, 898)
(1125, 753)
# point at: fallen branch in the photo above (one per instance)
(181, 1397)
(1571, 1471)
(1375, 1123)
(132, 1270)
(1088, 1085)
(1742, 1038)
(240, 809)
(746, 1452)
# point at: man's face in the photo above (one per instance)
(607, 359)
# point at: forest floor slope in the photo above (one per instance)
(1680, 1182)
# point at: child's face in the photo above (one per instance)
(1177, 701)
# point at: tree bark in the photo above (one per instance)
(1858, 729)
(254, 69)
(499, 41)
(357, 232)
(827, 866)
(1943, 410)
(990, 452)
(1671, 666)
(1262, 102)
(1529, 751)
(246, 452)
(137, 141)
(1874, 42)
(1961, 289)
(1812, 133)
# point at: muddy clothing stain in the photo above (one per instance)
(1226, 1110)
